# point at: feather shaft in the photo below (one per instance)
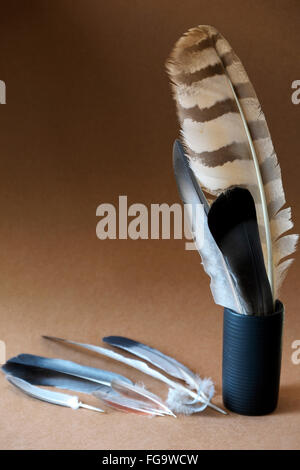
(262, 195)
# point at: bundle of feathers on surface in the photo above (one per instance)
(28, 373)
(228, 153)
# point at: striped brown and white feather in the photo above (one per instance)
(226, 137)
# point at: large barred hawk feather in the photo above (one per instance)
(227, 139)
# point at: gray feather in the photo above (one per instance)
(60, 373)
(49, 378)
(155, 357)
(221, 284)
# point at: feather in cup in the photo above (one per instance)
(227, 139)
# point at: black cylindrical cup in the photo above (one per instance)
(252, 361)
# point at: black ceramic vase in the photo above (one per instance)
(252, 361)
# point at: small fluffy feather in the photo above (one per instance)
(180, 402)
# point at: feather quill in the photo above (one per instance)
(55, 398)
(227, 138)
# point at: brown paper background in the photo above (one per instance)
(89, 116)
